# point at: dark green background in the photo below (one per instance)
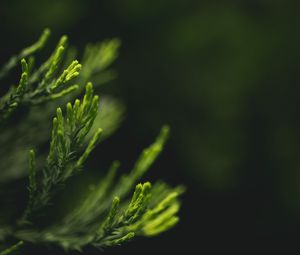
(225, 76)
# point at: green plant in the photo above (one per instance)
(105, 215)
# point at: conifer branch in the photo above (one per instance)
(108, 215)
(13, 61)
(64, 159)
(42, 84)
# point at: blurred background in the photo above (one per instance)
(225, 76)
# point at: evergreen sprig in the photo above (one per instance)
(43, 83)
(97, 59)
(26, 52)
(107, 215)
(64, 160)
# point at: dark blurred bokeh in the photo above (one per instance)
(225, 76)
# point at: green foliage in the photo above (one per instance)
(42, 84)
(67, 137)
(25, 53)
(12, 249)
(107, 215)
(47, 86)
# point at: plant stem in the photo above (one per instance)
(12, 248)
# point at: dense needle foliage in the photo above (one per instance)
(107, 215)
